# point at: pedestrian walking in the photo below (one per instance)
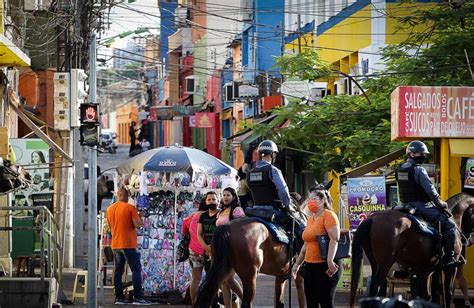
(320, 276)
(196, 250)
(123, 220)
(230, 210)
(133, 138)
(207, 224)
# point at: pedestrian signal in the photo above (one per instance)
(89, 113)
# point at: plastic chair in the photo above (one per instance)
(75, 293)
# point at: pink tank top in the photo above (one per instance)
(224, 219)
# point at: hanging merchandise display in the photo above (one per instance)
(168, 189)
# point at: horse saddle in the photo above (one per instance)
(278, 232)
(420, 224)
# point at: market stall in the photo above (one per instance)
(167, 185)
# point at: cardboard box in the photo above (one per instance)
(4, 142)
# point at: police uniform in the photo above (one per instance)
(415, 188)
(267, 186)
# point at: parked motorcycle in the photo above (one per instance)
(107, 143)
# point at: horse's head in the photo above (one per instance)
(324, 188)
(462, 208)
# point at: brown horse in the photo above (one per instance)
(248, 248)
(389, 236)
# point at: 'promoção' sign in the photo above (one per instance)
(432, 112)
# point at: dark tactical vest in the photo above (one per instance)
(264, 192)
(408, 189)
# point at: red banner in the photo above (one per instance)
(432, 112)
(205, 119)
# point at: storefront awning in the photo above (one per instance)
(10, 55)
(462, 147)
(376, 163)
(246, 131)
(37, 130)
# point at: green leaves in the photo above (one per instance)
(348, 131)
(304, 66)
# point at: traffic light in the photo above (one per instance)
(89, 129)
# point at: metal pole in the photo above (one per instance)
(92, 222)
(78, 208)
(299, 33)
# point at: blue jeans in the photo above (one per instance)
(132, 256)
(435, 215)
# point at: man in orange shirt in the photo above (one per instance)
(123, 220)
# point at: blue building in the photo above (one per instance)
(261, 42)
(167, 13)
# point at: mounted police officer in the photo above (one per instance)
(415, 188)
(268, 187)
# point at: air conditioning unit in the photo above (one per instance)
(191, 84)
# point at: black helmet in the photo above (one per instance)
(267, 147)
(417, 147)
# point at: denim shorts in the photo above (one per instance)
(196, 260)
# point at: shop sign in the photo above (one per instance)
(204, 119)
(182, 111)
(33, 154)
(432, 112)
(248, 90)
(469, 178)
(161, 113)
(364, 196)
(192, 121)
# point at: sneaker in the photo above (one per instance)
(141, 302)
(120, 301)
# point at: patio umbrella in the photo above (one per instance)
(175, 159)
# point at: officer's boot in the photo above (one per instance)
(449, 260)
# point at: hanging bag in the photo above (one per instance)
(182, 252)
(343, 245)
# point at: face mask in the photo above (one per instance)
(313, 206)
(212, 206)
(419, 159)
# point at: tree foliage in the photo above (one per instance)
(348, 131)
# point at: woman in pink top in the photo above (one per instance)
(196, 251)
(230, 210)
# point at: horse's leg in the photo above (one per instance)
(279, 292)
(419, 284)
(380, 276)
(373, 266)
(448, 286)
(249, 283)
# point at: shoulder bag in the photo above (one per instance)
(343, 245)
(182, 252)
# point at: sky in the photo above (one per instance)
(123, 19)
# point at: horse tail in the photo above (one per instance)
(360, 235)
(219, 269)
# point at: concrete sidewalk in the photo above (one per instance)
(263, 299)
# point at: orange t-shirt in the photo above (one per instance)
(120, 216)
(317, 226)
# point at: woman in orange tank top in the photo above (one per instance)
(320, 276)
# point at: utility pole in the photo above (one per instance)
(92, 222)
(299, 33)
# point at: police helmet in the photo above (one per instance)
(267, 147)
(417, 147)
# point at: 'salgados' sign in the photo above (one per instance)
(432, 112)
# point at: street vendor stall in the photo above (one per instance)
(168, 185)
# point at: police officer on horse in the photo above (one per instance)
(416, 189)
(269, 190)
